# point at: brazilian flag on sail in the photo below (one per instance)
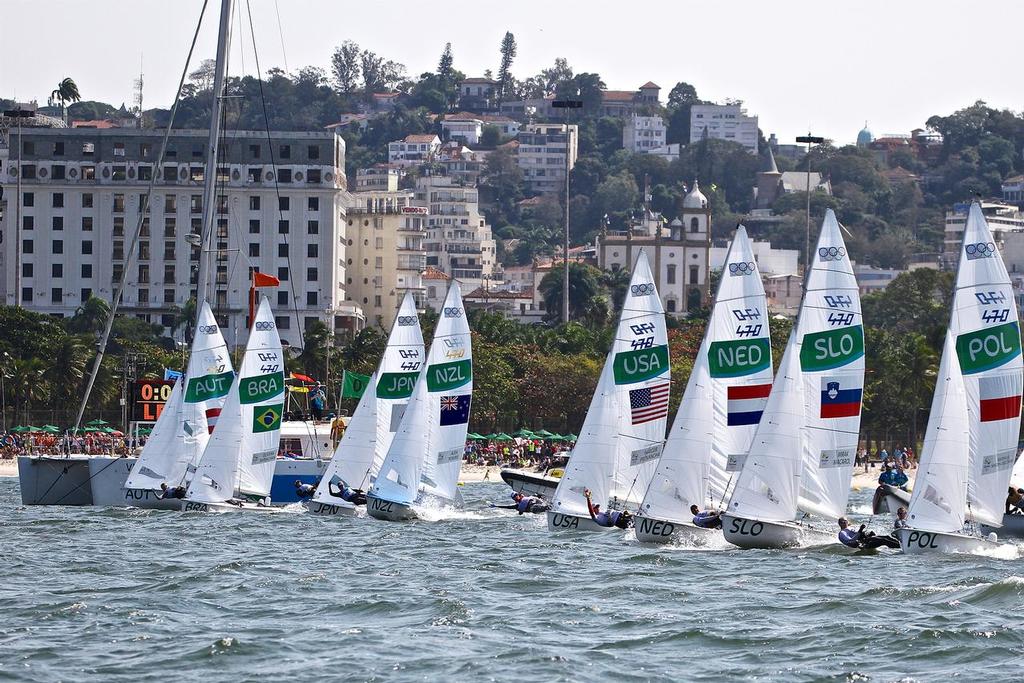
(267, 418)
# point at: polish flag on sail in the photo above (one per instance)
(211, 418)
(1000, 397)
(746, 402)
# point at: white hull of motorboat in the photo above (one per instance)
(531, 483)
(919, 542)
(388, 510)
(107, 476)
(1013, 526)
(889, 499)
(54, 480)
(561, 521)
(650, 530)
(327, 508)
(754, 533)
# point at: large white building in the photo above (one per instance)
(81, 194)
(459, 241)
(541, 155)
(413, 149)
(723, 122)
(643, 133)
(1002, 219)
(770, 261)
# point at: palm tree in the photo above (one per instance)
(91, 316)
(66, 91)
(584, 286)
(66, 369)
(28, 385)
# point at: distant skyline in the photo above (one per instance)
(799, 66)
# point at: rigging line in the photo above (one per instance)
(143, 213)
(277, 186)
(280, 33)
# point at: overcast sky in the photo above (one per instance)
(798, 65)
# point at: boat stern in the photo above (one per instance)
(388, 510)
(753, 533)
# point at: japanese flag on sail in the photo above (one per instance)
(211, 418)
(746, 402)
(840, 396)
(1000, 397)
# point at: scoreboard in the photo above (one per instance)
(148, 398)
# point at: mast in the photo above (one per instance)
(210, 189)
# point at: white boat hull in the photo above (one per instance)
(196, 506)
(388, 510)
(919, 542)
(107, 476)
(560, 521)
(650, 530)
(1013, 526)
(754, 533)
(53, 480)
(889, 499)
(531, 483)
(330, 509)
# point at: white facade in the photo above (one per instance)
(465, 130)
(380, 178)
(769, 261)
(80, 203)
(643, 133)
(542, 155)
(723, 122)
(413, 150)
(459, 241)
(1002, 219)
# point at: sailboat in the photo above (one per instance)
(183, 429)
(802, 457)
(971, 441)
(722, 404)
(624, 430)
(239, 459)
(375, 421)
(423, 463)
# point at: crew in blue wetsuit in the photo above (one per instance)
(350, 495)
(304, 491)
(863, 540)
(709, 519)
(622, 520)
(524, 504)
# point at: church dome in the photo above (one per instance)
(695, 199)
(864, 137)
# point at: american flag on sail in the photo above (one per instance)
(649, 403)
(211, 418)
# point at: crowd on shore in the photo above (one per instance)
(12, 445)
(538, 454)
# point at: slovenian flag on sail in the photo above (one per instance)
(1000, 397)
(840, 396)
(746, 402)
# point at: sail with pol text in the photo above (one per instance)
(724, 398)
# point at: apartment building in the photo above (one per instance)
(378, 178)
(541, 155)
(723, 122)
(413, 149)
(643, 133)
(459, 241)
(1003, 219)
(385, 253)
(82, 192)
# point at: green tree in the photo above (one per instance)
(508, 54)
(91, 316)
(585, 293)
(345, 67)
(66, 91)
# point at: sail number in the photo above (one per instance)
(260, 388)
(922, 539)
(745, 527)
(656, 527)
(560, 521)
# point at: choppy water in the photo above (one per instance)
(90, 594)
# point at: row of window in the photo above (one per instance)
(142, 295)
(170, 226)
(284, 151)
(28, 200)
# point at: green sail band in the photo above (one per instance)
(988, 348)
(396, 384)
(260, 388)
(630, 367)
(448, 376)
(739, 357)
(207, 387)
(831, 349)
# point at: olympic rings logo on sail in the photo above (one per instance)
(452, 312)
(742, 268)
(208, 329)
(980, 250)
(264, 325)
(643, 289)
(406, 320)
(831, 253)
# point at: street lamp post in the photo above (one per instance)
(809, 140)
(567, 104)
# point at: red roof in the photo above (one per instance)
(488, 81)
(650, 84)
(618, 95)
(94, 124)
(425, 137)
(432, 273)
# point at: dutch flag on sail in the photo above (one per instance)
(1000, 397)
(840, 397)
(746, 402)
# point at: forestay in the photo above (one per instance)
(831, 334)
(724, 397)
(243, 449)
(183, 430)
(623, 433)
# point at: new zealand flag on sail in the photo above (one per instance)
(455, 410)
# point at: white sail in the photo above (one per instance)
(769, 483)
(173, 449)
(450, 393)
(940, 491)
(724, 398)
(373, 426)
(617, 452)
(162, 451)
(985, 322)
(431, 438)
(242, 451)
(831, 337)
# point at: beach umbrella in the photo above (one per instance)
(50, 429)
(91, 430)
(503, 437)
(18, 430)
(473, 436)
(571, 437)
(144, 431)
(492, 437)
(545, 434)
(524, 433)
(34, 429)
(97, 423)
